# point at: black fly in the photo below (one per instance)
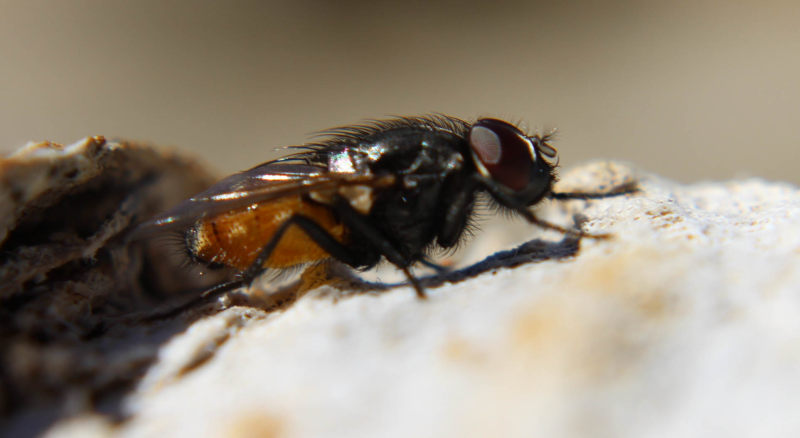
(391, 189)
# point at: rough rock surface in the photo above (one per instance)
(684, 324)
(67, 272)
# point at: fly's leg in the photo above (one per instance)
(530, 217)
(455, 217)
(440, 269)
(523, 211)
(313, 230)
(321, 237)
(622, 189)
(358, 223)
(204, 296)
(414, 283)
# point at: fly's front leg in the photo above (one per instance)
(498, 193)
(455, 218)
(622, 189)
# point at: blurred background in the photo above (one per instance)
(693, 90)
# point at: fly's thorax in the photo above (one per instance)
(400, 151)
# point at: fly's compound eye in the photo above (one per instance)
(502, 152)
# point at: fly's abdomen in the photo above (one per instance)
(236, 238)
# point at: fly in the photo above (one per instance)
(390, 189)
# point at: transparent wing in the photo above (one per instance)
(263, 183)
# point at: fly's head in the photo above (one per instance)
(514, 168)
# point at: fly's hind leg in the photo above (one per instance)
(316, 233)
(336, 249)
(313, 230)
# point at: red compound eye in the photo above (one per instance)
(502, 152)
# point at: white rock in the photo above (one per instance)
(684, 324)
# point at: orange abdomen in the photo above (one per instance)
(236, 238)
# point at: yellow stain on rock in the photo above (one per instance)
(598, 326)
(254, 424)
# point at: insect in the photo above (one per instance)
(390, 189)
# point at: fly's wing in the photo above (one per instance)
(263, 183)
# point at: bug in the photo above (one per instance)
(388, 189)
